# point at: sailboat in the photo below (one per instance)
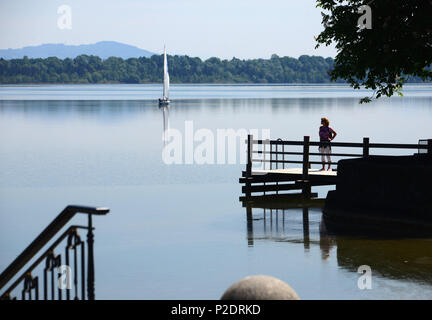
(164, 101)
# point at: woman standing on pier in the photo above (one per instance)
(326, 135)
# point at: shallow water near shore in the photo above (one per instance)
(179, 231)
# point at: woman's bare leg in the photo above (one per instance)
(322, 158)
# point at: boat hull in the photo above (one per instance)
(163, 102)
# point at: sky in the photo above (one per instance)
(243, 29)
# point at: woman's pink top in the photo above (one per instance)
(325, 133)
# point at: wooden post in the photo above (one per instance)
(283, 156)
(249, 156)
(305, 174)
(249, 165)
(306, 189)
(365, 147)
(249, 225)
(306, 239)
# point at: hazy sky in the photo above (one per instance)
(203, 28)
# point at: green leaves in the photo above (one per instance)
(365, 100)
(399, 43)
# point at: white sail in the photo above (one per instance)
(166, 78)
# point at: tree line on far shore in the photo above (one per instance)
(182, 69)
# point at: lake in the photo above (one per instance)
(179, 231)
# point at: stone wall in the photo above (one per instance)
(384, 186)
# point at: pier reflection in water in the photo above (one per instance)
(407, 259)
(302, 225)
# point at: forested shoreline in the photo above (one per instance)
(183, 69)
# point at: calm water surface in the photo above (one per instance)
(179, 231)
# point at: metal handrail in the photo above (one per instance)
(45, 236)
(29, 270)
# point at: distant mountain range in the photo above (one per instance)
(103, 49)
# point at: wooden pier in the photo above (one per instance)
(275, 167)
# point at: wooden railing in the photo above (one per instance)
(275, 150)
(279, 154)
